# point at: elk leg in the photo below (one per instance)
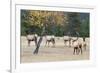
(65, 43)
(46, 43)
(77, 51)
(85, 47)
(29, 42)
(80, 47)
(53, 43)
(69, 43)
(74, 50)
(81, 50)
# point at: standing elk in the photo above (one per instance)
(31, 38)
(67, 39)
(77, 47)
(50, 38)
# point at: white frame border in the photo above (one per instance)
(16, 67)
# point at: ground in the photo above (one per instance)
(48, 54)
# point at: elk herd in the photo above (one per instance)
(74, 42)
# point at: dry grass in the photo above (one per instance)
(46, 54)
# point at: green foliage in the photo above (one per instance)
(74, 22)
(55, 22)
(84, 32)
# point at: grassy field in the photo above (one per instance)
(48, 54)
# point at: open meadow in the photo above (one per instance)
(49, 53)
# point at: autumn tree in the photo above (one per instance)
(43, 20)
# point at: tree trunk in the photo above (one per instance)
(38, 45)
(39, 42)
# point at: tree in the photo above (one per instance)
(74, 23)
(24, 22)
(45, 19)
(85, 28)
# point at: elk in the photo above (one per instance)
(50, 38)
(32, 38)
(67, 39)
(74, 40)
(77, 47)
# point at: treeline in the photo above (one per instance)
(55, 23)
